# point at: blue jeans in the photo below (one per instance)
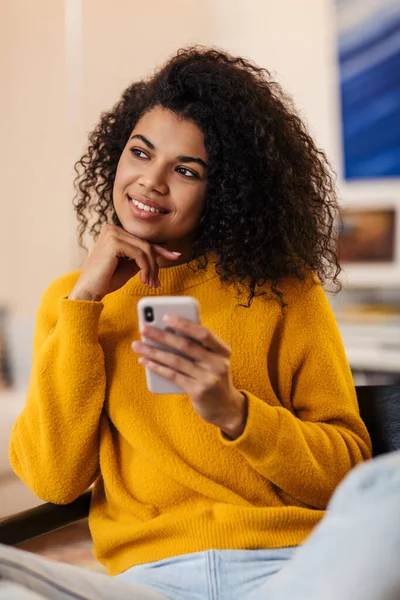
(353, 554)
(215, 574)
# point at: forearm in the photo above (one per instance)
(305, 459)
(54, 445)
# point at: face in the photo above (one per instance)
(161, 179)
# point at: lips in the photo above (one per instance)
(147, 205)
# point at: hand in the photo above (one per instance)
(116, 257)
(205, 375)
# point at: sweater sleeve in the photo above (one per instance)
(308, 449)
(54, 445)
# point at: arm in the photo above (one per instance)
(55, 442)
(54, 446)
(306, 451)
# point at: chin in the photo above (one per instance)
(143, 233)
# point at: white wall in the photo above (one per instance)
(295, 41)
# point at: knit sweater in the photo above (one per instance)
(166, 482)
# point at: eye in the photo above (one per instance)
(138, 153)
(187, 173)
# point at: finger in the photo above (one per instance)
(121, 244)
(126, 250)
(180, 379)
(155, 282)
(168, 359)
(147, 250)
(201, 334)
(180, 343)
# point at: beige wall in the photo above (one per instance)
(47, 108)
(34, 196)
(130, 40)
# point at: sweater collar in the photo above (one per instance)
(173, 280)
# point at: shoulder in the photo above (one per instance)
(301, 299)
(307, 307)
(49, 308)
(58, 289)
(61, 287)
(305, 301)
(300, 293)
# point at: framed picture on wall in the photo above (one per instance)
(368, 40)
(367, 235)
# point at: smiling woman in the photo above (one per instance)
(201, 181)
(160, 182)
(269, 199)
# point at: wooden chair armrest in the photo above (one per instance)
(42, 519)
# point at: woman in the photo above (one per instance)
(201, 181)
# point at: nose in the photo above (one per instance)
(153, 179)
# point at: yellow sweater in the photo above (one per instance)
(166, 482)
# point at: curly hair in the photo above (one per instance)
(270, 205)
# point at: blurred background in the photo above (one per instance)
(65, 61)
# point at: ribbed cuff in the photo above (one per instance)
(80, 318)
(259, 437)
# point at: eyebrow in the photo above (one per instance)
(183, 159)
(144, 140)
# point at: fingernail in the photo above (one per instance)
(166, 317)
(177, 253)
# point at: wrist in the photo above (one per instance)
(77, 294)
(235, 424)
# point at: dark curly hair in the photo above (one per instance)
(270, 204)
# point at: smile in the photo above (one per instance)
(147, 208)
(144, 210)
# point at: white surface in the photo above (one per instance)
(11, 404)
(19, 341)
(369, 359)
(372, 347)
(372, 275)
(14, 494)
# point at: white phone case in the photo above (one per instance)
(156, 307)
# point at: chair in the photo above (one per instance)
(379, 407)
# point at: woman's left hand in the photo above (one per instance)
(205, 375)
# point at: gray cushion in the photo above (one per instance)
(380, 409)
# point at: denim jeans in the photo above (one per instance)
(214, 575)
(353, 554)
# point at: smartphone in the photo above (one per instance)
(151, 310)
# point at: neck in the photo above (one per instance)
(174, 280)
(164, 263)
(182, 246)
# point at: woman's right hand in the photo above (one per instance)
(117, 257)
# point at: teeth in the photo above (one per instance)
(142, 206)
